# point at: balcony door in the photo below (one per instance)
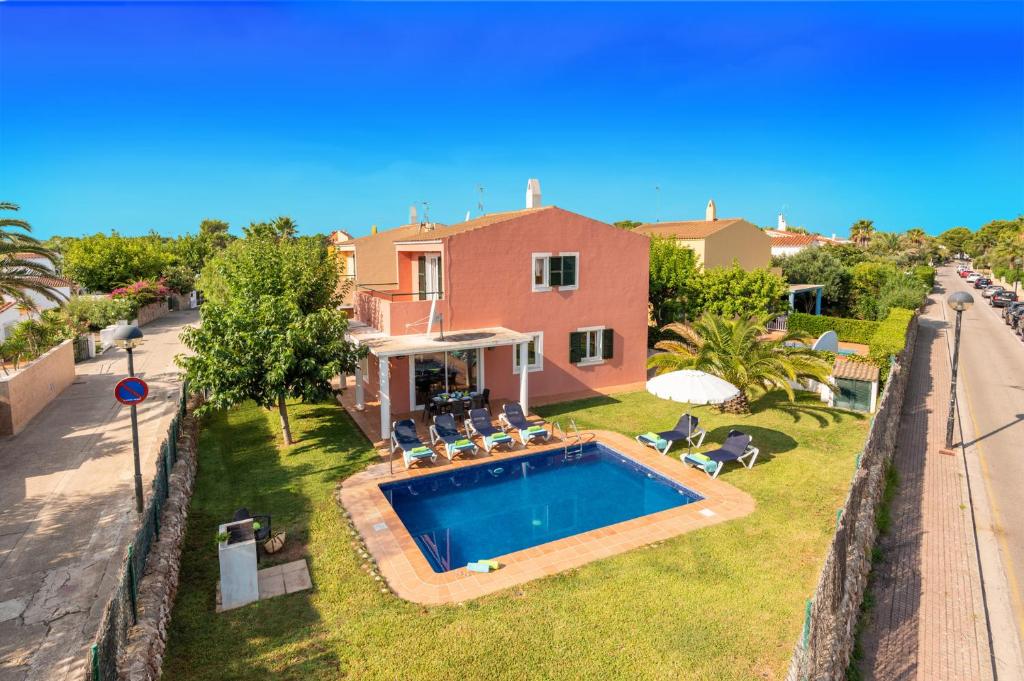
(430, 276)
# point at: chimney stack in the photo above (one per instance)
(710, 214)
(413, 220)
(782, 222)
(533, 193)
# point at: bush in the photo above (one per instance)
(905, 291)
(891, 336)
(848, 330)
(29, 339)
(180, 279)
(926, 275)
(95, 313)
(142, 292)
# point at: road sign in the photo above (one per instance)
(131, 390)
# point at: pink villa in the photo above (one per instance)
(469, 305)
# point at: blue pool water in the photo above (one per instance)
(491, 509)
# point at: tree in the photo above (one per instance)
(279, 228)
(215, 234)
(102, 263)
(673, 290)
(627, 224)
(886, 243)
(861, 231)
(736, 351)
(20, 275)
(825, 266)
(955, 239)
(735, 292)
(270, 326)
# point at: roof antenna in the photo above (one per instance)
(657, 212)
(426, 214)
(480, 201)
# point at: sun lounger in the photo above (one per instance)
(479, 423)
(455, 443)
(686, 430)
(404, 437)
(513, 418)
(736, 447)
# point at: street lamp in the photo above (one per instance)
(129, 337)
(958, 302)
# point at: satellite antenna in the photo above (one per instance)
(480, 201)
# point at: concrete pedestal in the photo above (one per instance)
(239, 584)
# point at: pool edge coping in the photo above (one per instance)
(410, 576)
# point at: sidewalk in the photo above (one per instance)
(929, 618)
(66, 485)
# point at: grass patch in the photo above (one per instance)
(724, 602)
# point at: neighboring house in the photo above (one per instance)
(785, 242)
(718, 242)
(11, 312)
(443, 308)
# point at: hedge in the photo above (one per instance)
(849, 330)
(926, 274)
(891, 336)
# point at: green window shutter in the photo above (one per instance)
(577, 346)
(422, 277)
(555, 272)
(607, 344)
(568, 270)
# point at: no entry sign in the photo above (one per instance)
(131, 390)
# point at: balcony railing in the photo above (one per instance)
(401, 296)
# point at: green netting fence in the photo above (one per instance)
(121, 611)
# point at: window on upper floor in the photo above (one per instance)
(555, 270)
(591, 345)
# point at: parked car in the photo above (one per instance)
(973, 277)
(965, 272)
(982, 282)
(990, 290)
(1009, 311)
(1002, 298)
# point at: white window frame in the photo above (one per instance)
(546, 286)
(538, 365)
(598, 331)
(537, 288)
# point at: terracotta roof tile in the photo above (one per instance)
(687, 229)
(858, 371)
(476, 223)
(791, 240)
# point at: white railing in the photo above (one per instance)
(780, 323)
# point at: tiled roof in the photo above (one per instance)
(476, 223)
(6, 305)
(857, 371)
(53, 282)
(687, 229)
(794, 240)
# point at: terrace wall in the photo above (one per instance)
(152, 312)
(26, 392)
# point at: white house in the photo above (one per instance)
(12, 313)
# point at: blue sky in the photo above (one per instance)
(156, 115)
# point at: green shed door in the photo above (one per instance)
(853, 395)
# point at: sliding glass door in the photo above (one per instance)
(440, 372)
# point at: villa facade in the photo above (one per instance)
(444, 308)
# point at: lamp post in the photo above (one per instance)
(129, 337)
(958, 302)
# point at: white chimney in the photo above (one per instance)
(413, 220)
(710, 214)
(782, 222)
(533, 193)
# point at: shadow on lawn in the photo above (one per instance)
(328, 428)
(240, 465)
(770, 443)
(803, 407)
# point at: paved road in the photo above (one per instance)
(992, 371)
(67, 505)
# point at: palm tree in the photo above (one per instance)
(861, 231)
(886, 243)
(20, 272)
(737, 351)
(916, 237)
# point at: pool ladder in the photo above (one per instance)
(577, 442)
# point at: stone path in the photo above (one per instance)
(67, 504)
(929, 616)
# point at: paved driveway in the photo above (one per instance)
(67, 506)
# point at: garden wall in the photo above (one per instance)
(25, 393)
(152, 312)
(826, 642)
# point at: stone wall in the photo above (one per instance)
(826, 642)
(147, 640)
(26, 392)
(152, 312)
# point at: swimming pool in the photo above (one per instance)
(495, 508)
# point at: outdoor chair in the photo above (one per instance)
(686, 429)
(479, 423)
(737, 447)
(444, 429)
(260, 534)
(513, 418)
(404, 437)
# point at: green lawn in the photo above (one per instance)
(724, 602)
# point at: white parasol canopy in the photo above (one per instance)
(692, 386)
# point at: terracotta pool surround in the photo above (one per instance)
(410, 576)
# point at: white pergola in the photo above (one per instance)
(385, 347)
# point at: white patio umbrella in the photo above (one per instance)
(692, 386)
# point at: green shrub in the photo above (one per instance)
(891, 336)
(926, 275)
(31, 338)
(848, 330)
(95, 313)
